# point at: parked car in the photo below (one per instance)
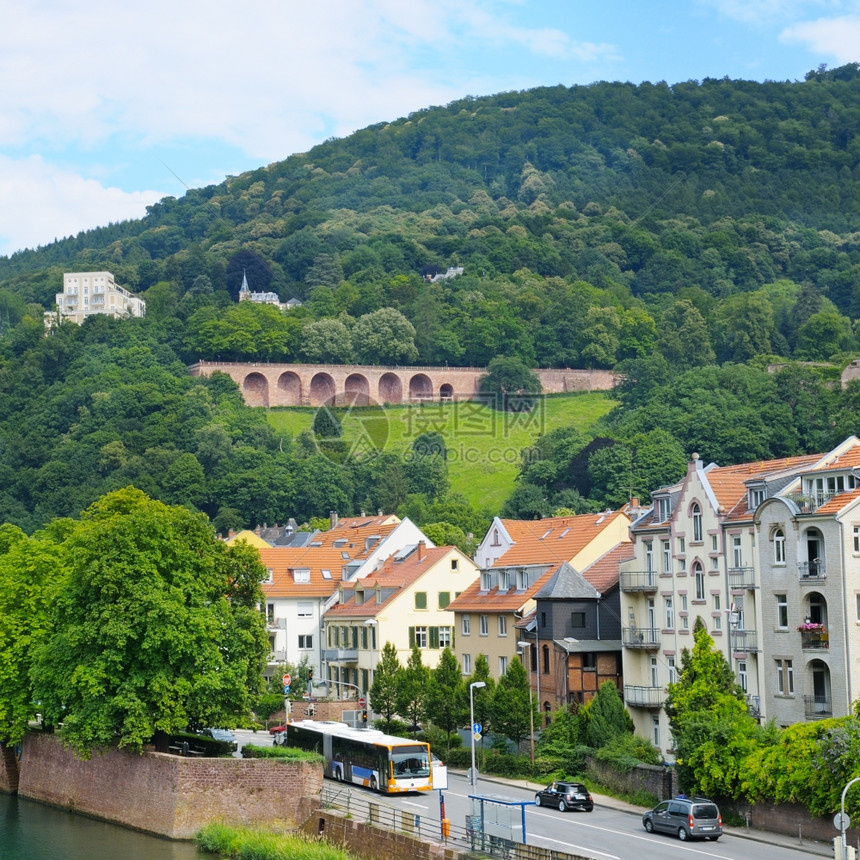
(565, 795)
(223, 735)
(688, 817)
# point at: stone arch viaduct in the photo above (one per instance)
(364, 385)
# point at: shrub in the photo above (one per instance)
(289, 753)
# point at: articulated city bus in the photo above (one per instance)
(365, 756)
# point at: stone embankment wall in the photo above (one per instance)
(172, 796)
(8, 770)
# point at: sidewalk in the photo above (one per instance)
(808, 846)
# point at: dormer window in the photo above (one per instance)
(522, 579)
(270, 576)
(664, 509)
(756, 497)
(301, 575)
(488, 580)
(503, 580)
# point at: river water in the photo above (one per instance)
(33, 831)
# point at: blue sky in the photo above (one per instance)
(107, 107)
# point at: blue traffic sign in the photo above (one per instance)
(477, 728)
(286, 690)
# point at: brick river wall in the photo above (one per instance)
(172, 796)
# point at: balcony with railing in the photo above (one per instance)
(638, 580)
(742, 578)
(745, 641)
(753, 705)
(817, 707)
(636, 696)
(812, 571)
(640, 637)
(340, 655)
(814, 636)
(810, 502)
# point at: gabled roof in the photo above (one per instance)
(284, 561)
(555, 539)
(397, 573)
(567, 584)
(350, 542)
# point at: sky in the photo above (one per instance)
(107, 107)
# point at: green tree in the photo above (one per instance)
(384, 336)
(155, 628)
(412, 689)
(327, 341)
(445, 695)
(684, 340)
(386, 682)
(711, 727)
(514, 710)
(509, 385)
(29, 569)
(604, 717)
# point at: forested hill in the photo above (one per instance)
(729, 194)
(686, 235)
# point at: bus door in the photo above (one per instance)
(327, 754)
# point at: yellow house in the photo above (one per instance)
(404, 602)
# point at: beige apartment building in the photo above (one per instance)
(88, 293)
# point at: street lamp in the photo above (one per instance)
(842, 821)
(472, 687)
(372, 624)
(521, 647)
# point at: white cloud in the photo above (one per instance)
(835, 37)
(40, 202)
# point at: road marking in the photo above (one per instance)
(588, 852)
(644, 838)
(413, 803)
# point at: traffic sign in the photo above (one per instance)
(286, 689)
(362, 702)
(477, 736)
(287, 680)
(477, 728)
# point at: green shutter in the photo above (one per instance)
(434, 637)
(411, 637)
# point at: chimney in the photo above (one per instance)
(379, 512)
(634, 502)
(332, 517)
(231, 533)
(422, 550)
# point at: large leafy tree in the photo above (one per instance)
(509, 384)
(383, 691)
(384, 336)
(604, 717)
(712, 729)
(155, 627)
(29, 567)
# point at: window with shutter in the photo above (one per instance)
(434, 637)
(411, 636)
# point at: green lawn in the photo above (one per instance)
(483, 445)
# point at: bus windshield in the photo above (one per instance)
(410, 762)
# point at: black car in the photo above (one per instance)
(564, 796)
(686, 817)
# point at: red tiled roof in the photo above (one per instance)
(727, 482)
(554, 539)
(603, 573)
(847, 460)
(834, 505)
(473, 599)
(392, 575)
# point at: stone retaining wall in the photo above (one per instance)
(8, 770)
(172, 796)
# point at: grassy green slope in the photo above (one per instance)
(483, 445)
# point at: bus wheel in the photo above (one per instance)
(373, 785)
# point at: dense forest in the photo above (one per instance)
(687, 235)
